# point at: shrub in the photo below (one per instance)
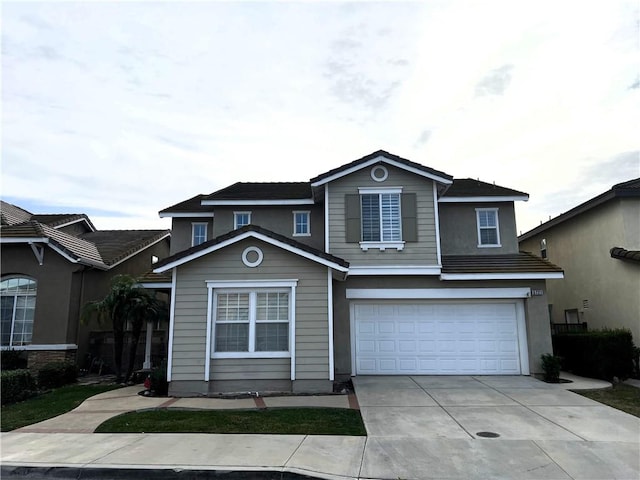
(13, 360)
(16, 385)
(551, 367)
(57, 374)
(597, 354)
(159, 384)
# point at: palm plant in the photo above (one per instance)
(125, 302)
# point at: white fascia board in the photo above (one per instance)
(186, 215)
(168, 234)
(41, 347)
(435, 293)
(24, 240)
(501, 276)
(302, 201)
(76, 221)
(396, 270)
(388, 161)
(154, 285)
(522, 198)
(437, 223)
(258, 236)
(172, 324)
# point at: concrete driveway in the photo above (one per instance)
(491, 427)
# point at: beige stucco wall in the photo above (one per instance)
(581, 247)
(459, 234)
(312, 329)
(536, 314)
(423, 252)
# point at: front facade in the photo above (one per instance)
(598, 245)
(381, 266)
(54, 264)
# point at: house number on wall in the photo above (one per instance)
(537, 293)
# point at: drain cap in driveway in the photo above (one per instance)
(488, 434)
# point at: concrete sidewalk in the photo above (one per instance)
(547, 433)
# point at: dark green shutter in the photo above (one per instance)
(409, 221)
(352, 217)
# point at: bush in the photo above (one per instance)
(551, 367)
(597, 354)
(159, 384)
(13, 360)
(16, 385)
(57, 374)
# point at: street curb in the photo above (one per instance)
(90, 473)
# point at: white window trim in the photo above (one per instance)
(308, 234)
(381, 245)
(193, 232)
(214, 286)
(235, 218)
(15, 295)
(497, 227)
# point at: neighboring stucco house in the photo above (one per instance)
(380, 266)
(51, 266)
(598, 245)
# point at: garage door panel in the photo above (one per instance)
(437, 338)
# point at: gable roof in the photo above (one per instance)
(189, 208)
(12, 214)
(57, 220)
(521, 265)
(470, 190)
(115, 246)
(252, 231)
(383, 157)
(628, 189)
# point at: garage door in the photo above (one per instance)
(436, 338)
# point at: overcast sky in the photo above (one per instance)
(119, 110)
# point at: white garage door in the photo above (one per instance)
(436, 338)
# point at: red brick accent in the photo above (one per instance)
(36, 359)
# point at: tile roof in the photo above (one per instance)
(263, 191)
(468, 187)
(630, 188)
(78, 249)
(385, 154)
(11, 214)
(116, 245)
(56, 219)
(522, 262)
(257, 229)
(624, 254)
(191, 205)
(151, 277)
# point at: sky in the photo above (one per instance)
(121, 109)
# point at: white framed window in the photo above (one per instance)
(381, 218)
(252, 322)
(301, 224)
(543, 248)
(198, 233)
(240, 219)
(17, 311)
(488, 227)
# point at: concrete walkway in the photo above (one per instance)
(418, 427)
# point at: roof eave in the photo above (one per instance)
(484, 199)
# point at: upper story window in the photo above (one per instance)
(543, 248)
(488, 228)
(17, 311)
(301, 225)
(240, 219)
(198, 233)
(381, 221)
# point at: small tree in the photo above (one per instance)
(125, 302)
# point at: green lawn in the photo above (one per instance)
(48, 405)
(314, 421)
(623, 397)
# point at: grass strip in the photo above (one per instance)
(48, 405)
(621, 396)
(294, 421)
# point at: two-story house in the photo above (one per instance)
(380, 266)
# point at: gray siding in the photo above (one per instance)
(189, 348)
(422, 252)
(181, 232)
(459, 229)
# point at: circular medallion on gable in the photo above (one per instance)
(252, 256)
(379, 173)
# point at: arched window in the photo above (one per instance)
(17, 309)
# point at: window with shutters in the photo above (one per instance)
(381, 218)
